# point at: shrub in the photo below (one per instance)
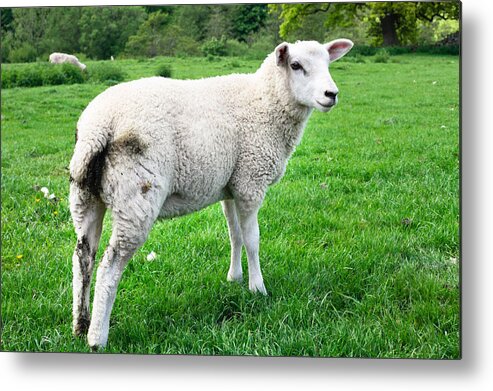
(215, 47)
(9, 77)
(234, 64)
(30, 76)
(52, 75)
(396, 50)
(358, 58)
(212, 58)
(236, 48)
(363, 50)
(164, 70)
(72, 74)
(104, 72)
(260, 48)
(24, 53)
(33, 75)
(437, 49)
(382, 56)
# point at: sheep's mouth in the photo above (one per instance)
(327, 105)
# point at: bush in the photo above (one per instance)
(164, 70)
(236, 48)
(358, 58)
(363, 50)
(34, 75)
(30, 76)
(261, 48)
(104, 72)
(9, 77)
(24, 53)
(382, 56)
(71, 74)
(437, 49)
(52, 75)
(215, 47)
(212, 58)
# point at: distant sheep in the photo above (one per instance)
(159, 148)
(61, 58)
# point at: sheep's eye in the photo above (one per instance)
(296, 66)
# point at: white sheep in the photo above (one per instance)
(158, 147)
(61, 58)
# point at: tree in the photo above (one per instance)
(193, 20)
(7, 18)
(248, 19)
(149, 38)
(390, 23)
(62, 31)
(160, 35)
(104, 31)
(24, 40)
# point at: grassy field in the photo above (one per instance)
(359, 241)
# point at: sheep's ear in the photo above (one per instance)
(338, 48)
(282, 52)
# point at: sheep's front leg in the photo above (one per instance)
(251, 237)
(235, 272)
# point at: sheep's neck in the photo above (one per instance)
(285, 116)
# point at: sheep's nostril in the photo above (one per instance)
(330, 94)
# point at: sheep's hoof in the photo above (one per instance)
(96, 348)
(258, 287)
(234, 277)
(81, 327)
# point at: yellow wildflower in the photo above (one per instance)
(19, 256)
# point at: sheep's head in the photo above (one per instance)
(306, 65)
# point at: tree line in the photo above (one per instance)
(30, 34)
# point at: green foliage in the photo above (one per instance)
(388, 23)
(63, 31)
(40, 74)
(382, 56)
(193, 20)
(248, 19)
(71, 74)
(363, 50)
(356, 58)
(23, 53)
(104, 31)
(148, 41)
(215, 47)
(104, 72)
(6, 19)
(157, 37)
(246, 30)
(164, 70)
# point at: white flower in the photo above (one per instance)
(45, 191)
(51, 196)
(151, 256)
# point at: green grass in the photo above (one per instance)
(359, 241)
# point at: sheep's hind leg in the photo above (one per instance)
(251, 236)
(87, 214)
(129, 233)
(235, 273)
(133, 217)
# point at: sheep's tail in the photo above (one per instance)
(87, 164)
